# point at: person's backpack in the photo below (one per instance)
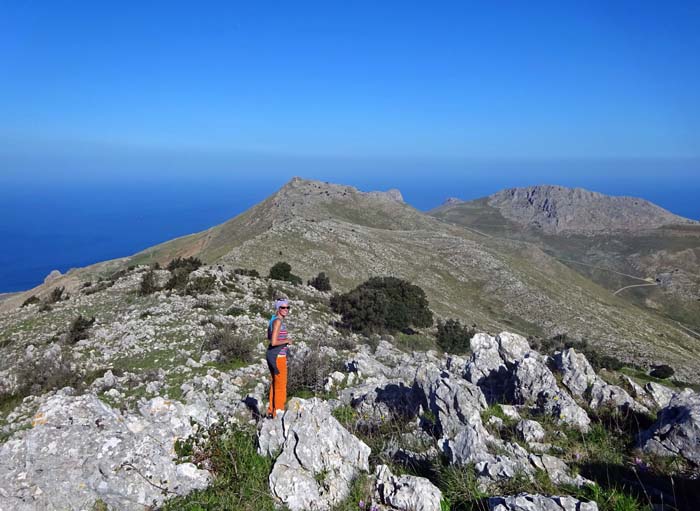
(269, 327)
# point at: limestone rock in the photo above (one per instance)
(660, 394)
(577, 374)
(318, 458)
(407, 493)
(530, 431)
(529, 502)
(125, 460)
(676, 431)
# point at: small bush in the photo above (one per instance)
(30, 301)
(383, 304)
(178, 280)
(203, 303)
(148, 283)
(235, 311)
(57, 294)
(453, 337)
(258, 309)
(100, 286)
(320, 282)
(78, 329)
(44, 373)
(201, 285)
(246, 273)
(307, 372)
(283, 271)
(189, 264)
(662, 371)
(231, 345)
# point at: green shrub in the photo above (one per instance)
(235, 311)
(189, 264)
(203, 303)
(57, 294)
(100, 286)
(148, 283)
(453, 337)
(178, 280)
(246, 272)
(320, 282)
(41, 374)
(662, 371)
(30, 301)
(383, 304)
(201, 285)
(283, 271)
(231, 345)
(78, 329)
(258, 309)
(307, 372)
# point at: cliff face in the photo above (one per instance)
(556, 209)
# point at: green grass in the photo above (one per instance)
(240, 475)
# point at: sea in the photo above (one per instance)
(64, 225)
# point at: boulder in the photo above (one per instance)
(407, 493)
(530, 431)
(456, 405)
(660, 394)
(603, 393)
(577, 374)
(676, 431)
(533, 381)
(529, 502)
(316, 458)
(127, 461)
(486, 368)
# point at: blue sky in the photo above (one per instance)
(341, 80)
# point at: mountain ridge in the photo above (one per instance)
(557, 209)
(351, 235)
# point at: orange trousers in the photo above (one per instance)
(278, 388)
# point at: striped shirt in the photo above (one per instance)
(281, 335)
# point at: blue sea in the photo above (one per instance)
(68, 225)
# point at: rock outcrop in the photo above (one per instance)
(316, 459)
(676, 431)
(127, 461)
(529, 502)
(406, 493)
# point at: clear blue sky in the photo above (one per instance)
(98, 88)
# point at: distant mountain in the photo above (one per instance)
(557, 209)
(627, 245)
(490, 280)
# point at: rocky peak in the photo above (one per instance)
(557, 209)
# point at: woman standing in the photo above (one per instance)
(277, 357)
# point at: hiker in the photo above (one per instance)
(277, 357)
